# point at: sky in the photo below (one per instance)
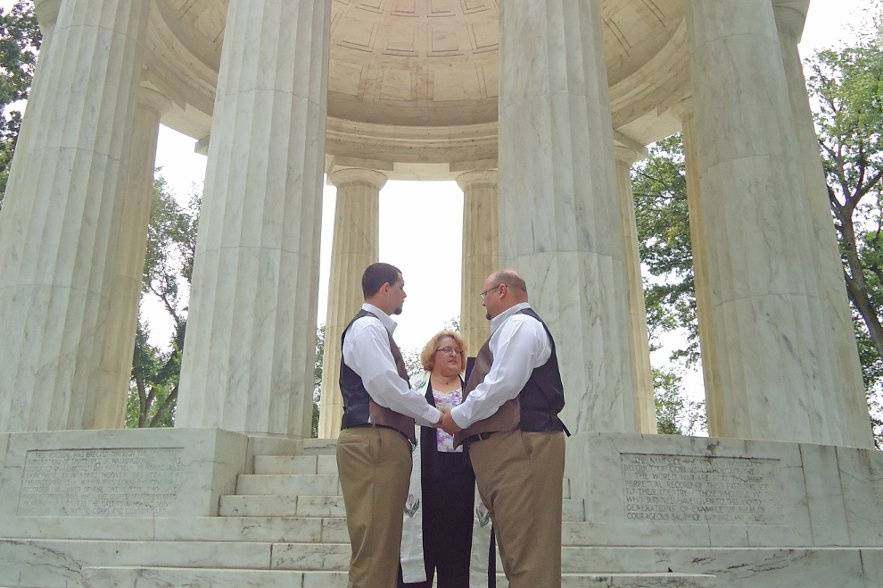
(420, 222)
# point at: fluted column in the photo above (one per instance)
(846, 391)
(479, 251)
(116, 364)
(249, 351)
(354, 247)
(698, 244)
(645, 402)
(60, 220)
(560, 219)
(766, 317)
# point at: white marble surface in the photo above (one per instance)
(205, 469)
(770, 320)
(354, 247)
(559, 220)
(248, 358)
(125, 294)
(61, 214)
(847, 407)
(645, 402)
(479, 253)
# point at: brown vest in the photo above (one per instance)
(534, 409)
(359, 409)
(385, 417)
(507, 417)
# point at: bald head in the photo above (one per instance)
(503, 289)
(517, 287)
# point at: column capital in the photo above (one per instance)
(627, 150)
(357, 175)
(153, 100)
(791, 18)
(474, 177)
(46, 12)
(684, 109)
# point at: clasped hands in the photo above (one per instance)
(446, 422)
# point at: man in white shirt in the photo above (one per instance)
(377, 430)
(509, 423)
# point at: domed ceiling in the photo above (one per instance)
(418, 63)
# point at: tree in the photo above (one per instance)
(660, 191)
(317, 379)
(20, 41)
(168, 267)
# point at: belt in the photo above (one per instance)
(477, 437)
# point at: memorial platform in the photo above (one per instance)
(176, 507)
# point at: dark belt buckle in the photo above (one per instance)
(475, 438)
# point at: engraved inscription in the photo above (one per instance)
(100, 482)
(695, 489)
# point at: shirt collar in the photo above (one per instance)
(384, 318)
(498, 320)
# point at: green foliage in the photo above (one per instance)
(660, 191)
(317, 379)
(675, 415)
(168, 267)
(20, 41)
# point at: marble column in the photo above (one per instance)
(560, 221)
(250, 346)
(479, 252)
(60, 220)
(639, 343)
(707, 343)
(846, 392)
(354, 247)
(766, 319)
(116, 363)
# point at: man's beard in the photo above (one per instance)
(488, 316)
(398, 310)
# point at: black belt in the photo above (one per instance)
(477, 437)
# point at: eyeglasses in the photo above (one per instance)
(491, 289)
(448, 350)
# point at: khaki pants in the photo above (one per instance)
(519, 477)
(374, 466)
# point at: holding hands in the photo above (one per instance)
(446, 422)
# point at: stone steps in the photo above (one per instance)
(295, 464)
(273, 529)
(289, 484)
(266, 555)
(272, 505)
(145, 577)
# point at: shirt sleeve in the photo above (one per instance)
(366, 351)
(521, 346)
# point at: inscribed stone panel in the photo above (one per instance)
(100, 482)
(700, 489)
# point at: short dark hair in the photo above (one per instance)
(376, 275)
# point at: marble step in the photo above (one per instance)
(158, 577)
(281, 506)
(289, 484)
(295, 464)
(317, 464)
(319, 447)
(263, 482)
(271, 505)
(273, 529)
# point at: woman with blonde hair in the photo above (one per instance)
(437, 533)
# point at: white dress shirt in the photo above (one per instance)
(366, 351)
(519, 345)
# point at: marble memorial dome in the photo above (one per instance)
(416, 81)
